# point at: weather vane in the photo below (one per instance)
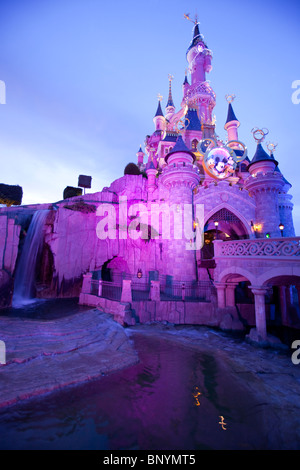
(229, 98)
(187, 16)
(259, 134)
(159, 97)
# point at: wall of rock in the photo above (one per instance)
(9, 243)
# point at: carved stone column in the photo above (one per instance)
(230, 294)
(260, 311)
(221, 286)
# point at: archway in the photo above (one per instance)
(114, 270)
(234, 293)
(221, 225)
(285, 299)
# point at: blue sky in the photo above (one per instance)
(82, 78)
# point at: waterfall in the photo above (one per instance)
(24, 285)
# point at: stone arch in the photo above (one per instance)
(234, 292)
(234, 211)
(290, 271)
(236, 228)
(115, 269)
(284, 285)
(235, 272)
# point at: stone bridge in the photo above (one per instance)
(264, 263)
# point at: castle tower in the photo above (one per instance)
(265, 184)
(159, 119)
(286, 208)
(181, 176)
(199, 57)
(199, 95)
(232, 123)
(140, 156)
(151, 177)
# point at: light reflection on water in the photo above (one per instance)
(149, 406)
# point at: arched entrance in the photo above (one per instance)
(235, 296)
(285, 298)
(222, 225)
(113, 270)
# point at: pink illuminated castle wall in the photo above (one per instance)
(113, 250)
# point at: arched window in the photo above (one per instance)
(194, 144)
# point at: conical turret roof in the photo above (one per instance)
(197, 37)
(179, 147)
(261, 155)
(230, 114)
(159, 110)
(192, 120)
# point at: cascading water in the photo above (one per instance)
(26, 268)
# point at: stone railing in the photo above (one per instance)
(129, 291)
(284, 247)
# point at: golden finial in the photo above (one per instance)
(159, 97)
(229, 98)
(271, 146)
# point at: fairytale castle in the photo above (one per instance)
(195, 232)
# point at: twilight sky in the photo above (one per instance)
(82, 78)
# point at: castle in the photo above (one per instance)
(196, 231)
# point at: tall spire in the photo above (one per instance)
(170, 102)
(185, 78)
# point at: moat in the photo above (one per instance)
(191, 388)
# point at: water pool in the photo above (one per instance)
(175, 398)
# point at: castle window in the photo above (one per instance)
(194, 144)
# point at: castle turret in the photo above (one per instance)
(199, 94)
(159, 119)
(140, 155)
(265, 184)
(151, 175)
(285, 207)
(232, 124)
(199, 57)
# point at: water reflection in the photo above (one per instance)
(146, 406)
(222, 423)
(196, 395)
